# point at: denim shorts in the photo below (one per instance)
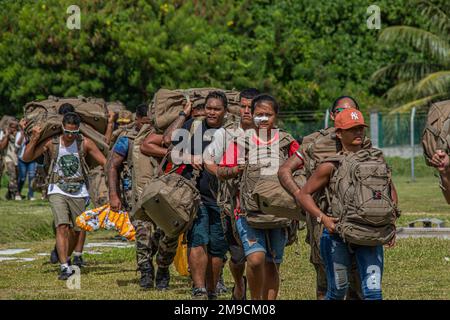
(255, 240)
(207, 231)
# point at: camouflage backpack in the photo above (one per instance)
(266, 203)
(361, 198)
(436, 134)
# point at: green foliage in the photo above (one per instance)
(425, 75)
(306, 53)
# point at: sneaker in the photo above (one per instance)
(65, 274)
(221, 288)
(162, 279)
(54, 258)
(32, 199)
(199, 294)
(147, 280)
(18, 198)
(78, 261)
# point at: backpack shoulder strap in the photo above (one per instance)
(54, 152)
(82, 154)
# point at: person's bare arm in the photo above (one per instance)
(93, 150)
(445, 181)
(441, 161)
(222, 173)
(152, 146)
(285, 175)
(110, 127)
(167, 137)
(114, 165)
(34, 149)
(319, 180)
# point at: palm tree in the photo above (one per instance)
(420, 81)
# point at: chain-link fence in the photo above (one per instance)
(387, 130)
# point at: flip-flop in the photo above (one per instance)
(245, 291)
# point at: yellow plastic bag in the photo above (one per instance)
(181, 257)
(103, 217)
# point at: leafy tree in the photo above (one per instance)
(425, 75)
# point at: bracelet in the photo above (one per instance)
(182, 113)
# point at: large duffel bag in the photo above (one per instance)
(167, 104)
(4, 122)
(171, 202)
(44, 116)
(92, 111)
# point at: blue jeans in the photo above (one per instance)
(26, 169)
(337, 257)
(255, 240)
(207, 231)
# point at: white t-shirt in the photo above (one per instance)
(68, 165)
(220, 142)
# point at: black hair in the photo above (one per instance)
(336, 103)
(71, 118)
(65, 108)
(217, 95)
(249, 93)
(265, 98)
(200, 105)
(141, 110)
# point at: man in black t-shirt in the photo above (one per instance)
(206, 240)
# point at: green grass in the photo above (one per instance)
(414, 268)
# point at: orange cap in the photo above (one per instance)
(349, 118)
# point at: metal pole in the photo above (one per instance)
(374, 133)
(327, 117)
(413, 115)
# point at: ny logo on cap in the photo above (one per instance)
(354, 116)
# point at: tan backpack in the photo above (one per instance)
(266, 203)
(126, 174)
(436, 134)
(143, 169)
(121, 131)
(170, 200)
(167, 104)
(99, 140)
(361, 197)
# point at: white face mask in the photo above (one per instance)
(258, 120)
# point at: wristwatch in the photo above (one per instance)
(182, 113)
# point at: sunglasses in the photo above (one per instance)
(74, 132)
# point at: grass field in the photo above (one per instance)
(414, 269)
